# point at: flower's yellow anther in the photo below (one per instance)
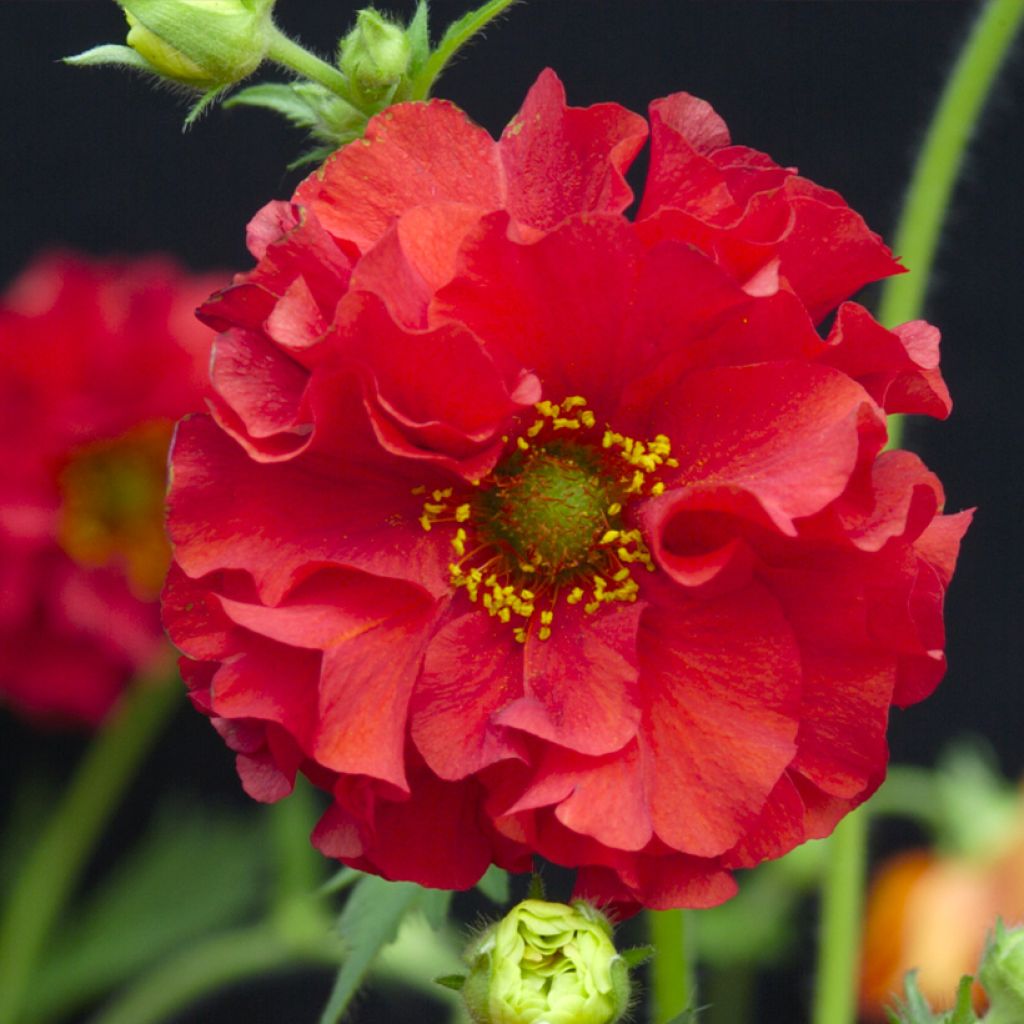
(574, 596)
(544, 633)
(674, 463)
(592, 607)
(425, 522)
(573, 402)
(419, 490)
(547, 617)
(561, 423)
(636, 484)
(535, 428)
(658, 488)
(526, 567)
(546, 408)
(459, 542)
(614, 508)
(440, 495)
(462, 513)
(622, 574)
(526, 610)
(609, 537)
(491, 580)
(522, 444)
(588, 418)
(527, 595)
(520, 634)
(432, 508)
(505, 615)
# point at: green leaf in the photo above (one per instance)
(963, 1012)
(456, 36)
(279, 97)
(368, 922)
(452, 981)
(495, 885)
(201, 106)
(192, 873)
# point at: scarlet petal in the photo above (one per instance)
(278, 521)
(898, 368)
(721, 710)
(787, 433)
(411, 155)
(548, 303)
(662, 883)
(580, 683)
(561, 160)
(472, 669)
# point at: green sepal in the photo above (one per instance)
(536, 890)
(418, 34)
(914, 1008)
(452, 981)
(637, 955)
(111, 54)
(201, 105)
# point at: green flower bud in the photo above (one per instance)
(547, 962)
(1002, 975)
(204, 44)
(375, 56)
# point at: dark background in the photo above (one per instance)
(95, 159)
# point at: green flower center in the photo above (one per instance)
(549, 508)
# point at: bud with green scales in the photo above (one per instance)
(375, 57)
(1002, 975)
(547, 963)
(202, 44)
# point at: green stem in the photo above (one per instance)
(209, 966)
(917, 237)
(289, 54)
(454, 39)
(938, 164)
(835, 996)
(673, 987)
(52, 867)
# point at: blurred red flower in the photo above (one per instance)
(97, 360)
(523, 527)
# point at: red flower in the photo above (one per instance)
(97, 359)
(522, 527)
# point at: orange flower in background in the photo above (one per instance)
(97, 360)
(931, 914)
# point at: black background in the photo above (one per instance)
(95, 159)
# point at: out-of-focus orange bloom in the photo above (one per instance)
(931, 914)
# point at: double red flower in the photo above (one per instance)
(97, 360)
(523, 527)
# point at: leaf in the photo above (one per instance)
(193, 872)
(279, 97)
(963, 1012)
(495, 885)
(368, 922)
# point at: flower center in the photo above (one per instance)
(550, 522)
(112, 507)
(548, 507)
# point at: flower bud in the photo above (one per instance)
(204, 44)
(547, 962)
(1002, 975)
(375, 56)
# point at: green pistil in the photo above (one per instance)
(550, 507)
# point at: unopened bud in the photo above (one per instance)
(375, 56)
(547, 962)
(1002, 975)
(203, 44)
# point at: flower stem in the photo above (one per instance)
(454, 39)
(938, 164)
(835, 997)
(673, 986)
(917, 237)
(52, 867)
(209, 966)
(289, 54)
